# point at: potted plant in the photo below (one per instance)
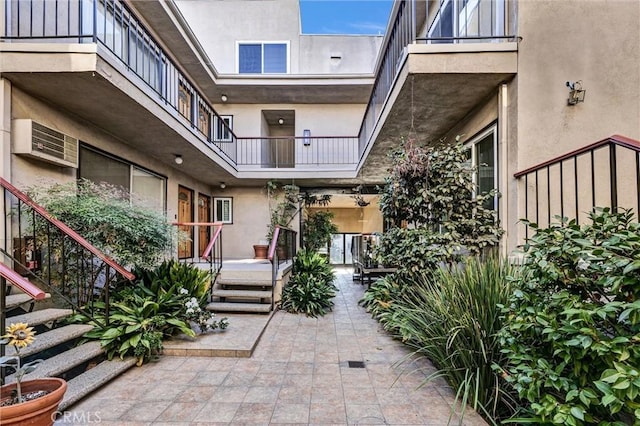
(32, 402)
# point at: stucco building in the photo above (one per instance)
(195, 105)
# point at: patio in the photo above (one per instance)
(338, 369)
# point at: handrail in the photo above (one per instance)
(615, 139)
(207, 251)
(26, 286)
(65, 229)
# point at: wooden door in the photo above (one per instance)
(185, 214)
(204, 215)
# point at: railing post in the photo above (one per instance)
(613, 177)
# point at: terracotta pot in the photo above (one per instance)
(260, 251)
(38, 412)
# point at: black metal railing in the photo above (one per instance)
(54, 256)
(282, 249)
(112, 25)
(402, 32)
(292, 151)
(575, 183)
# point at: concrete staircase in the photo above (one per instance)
(245, 286)
(84, 366)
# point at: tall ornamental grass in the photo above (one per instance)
(451, 317)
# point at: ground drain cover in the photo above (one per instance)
(356, 364)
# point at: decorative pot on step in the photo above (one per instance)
(40, 411)
(260, 251)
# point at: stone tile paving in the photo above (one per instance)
(299, 374)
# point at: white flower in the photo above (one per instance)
(583, 265)
(184, 291)
(189, 311)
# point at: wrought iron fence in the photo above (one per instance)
(53, 256)
(281, 249)
(603, 174)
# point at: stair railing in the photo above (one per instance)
(281, 249)
(212, 254)
(55, 256)
(594, 175)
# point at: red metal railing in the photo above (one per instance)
(18, 280)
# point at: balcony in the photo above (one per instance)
(425, 85)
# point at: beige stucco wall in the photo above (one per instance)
(356, 220)
(273, 20)
(321, 119)
(561, 42)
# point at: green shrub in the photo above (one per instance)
(452, 317)
(381, 295)
(572, 333)
(310, 289)
(104, 216)
(170, 273)
(317, 230)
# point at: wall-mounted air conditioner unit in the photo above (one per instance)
(46, 144)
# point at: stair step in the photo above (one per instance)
(247, 294)
(15, 300)
(55, 337)
(244, 282)
(239, 307)
(90, 380)
(65, 361)
(42, 316)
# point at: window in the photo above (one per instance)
(263, 58)
(148, 189)
(223, 209)
(482, 150)
(204, 120)
(468, 18)
(184, 101)
(223, 124)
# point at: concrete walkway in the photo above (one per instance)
(339, 369)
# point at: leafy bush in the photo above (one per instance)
(160, 305)
(317, 230)
(310, 290)
(430, 190)
(452, 317)
(381, 295)
(572, 333)
(102, 214)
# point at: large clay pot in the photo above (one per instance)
(37, 412)
(260, 251)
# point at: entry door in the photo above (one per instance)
(204, 215)
(185, 214)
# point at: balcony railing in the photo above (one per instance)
(292, 152)
(55, 257)
(467, 22)
(112, 25)
(572, 184)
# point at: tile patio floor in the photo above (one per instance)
(298, 374)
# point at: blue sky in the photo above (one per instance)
(344, 16)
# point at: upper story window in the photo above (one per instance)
(223, 124)
(204, 120)
(263, 58)
(185, 96)
(468, 18)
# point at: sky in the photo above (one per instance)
(345, 16)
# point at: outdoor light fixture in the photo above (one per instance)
(307, 137)
(281, 121)
(223, 185)
(224, 98)
(576, 92)
(178, 159)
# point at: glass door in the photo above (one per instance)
(340, 250)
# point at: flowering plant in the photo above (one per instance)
(19, 336)
(201, 317)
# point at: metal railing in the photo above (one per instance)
(55, 257)
(574, 183)
(211, 255)
(292, 151)
(402, 32)
(281, 249)
(112, 25)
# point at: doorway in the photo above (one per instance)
(185, 214)
(204, 215)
